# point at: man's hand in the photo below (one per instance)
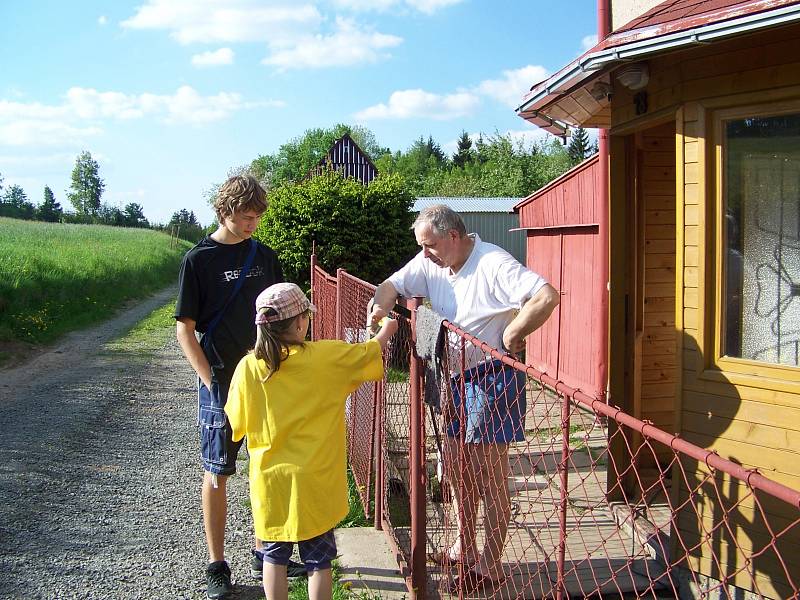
(192, 350)
(531, 316)
(374, 315)
(513, 342)
(380, 305)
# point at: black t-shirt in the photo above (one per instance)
(207, 277)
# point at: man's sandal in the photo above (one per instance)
(442, 559)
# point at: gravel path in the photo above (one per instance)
(99, 475)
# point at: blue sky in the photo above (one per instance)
(169, 95)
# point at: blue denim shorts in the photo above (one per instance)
(495, 404)
(217, 450)
(316, 553)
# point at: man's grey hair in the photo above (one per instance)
(442, 219)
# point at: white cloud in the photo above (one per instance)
(186, 105)
(588, 41)
(431, 6)
(210, 21)
(365, 5)
(297, 35)
(102, 20)
(347, 46)
(44, 133)
(36, 160)
(213, 58)
(409, 104)
(512, 86)
(423, 6)
(85, 111)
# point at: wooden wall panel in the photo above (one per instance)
(657, 385)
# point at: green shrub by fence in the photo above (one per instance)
(55, 277)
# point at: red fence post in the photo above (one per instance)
(417, 469)
(563, 467)
(313, 292)
(339, 303)
(379, 466)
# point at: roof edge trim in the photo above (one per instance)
(589, 64)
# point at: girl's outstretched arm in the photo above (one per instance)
(387, 330)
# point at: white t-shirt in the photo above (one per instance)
(482, 298)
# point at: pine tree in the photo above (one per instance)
(133, 215)
(463, 154)
(15, 204)
(579, 146)
(49, 209)
(87, 186)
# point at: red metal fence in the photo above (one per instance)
(572, 515)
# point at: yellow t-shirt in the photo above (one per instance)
(294, 423)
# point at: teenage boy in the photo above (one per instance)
(207, 282)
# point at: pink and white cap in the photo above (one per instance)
(281, 301)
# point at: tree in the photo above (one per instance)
(133, 214)
(15, 204)
(297, 157)
(109, 215)
(579, 146)
(463, 154)
(186, 225)
(87, 186)
(49, 209)
(346, 220)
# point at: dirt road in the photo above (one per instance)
(99, 476)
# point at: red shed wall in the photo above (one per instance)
(563, 246)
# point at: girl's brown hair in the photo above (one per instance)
(272, 343)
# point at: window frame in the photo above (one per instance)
(737, 369)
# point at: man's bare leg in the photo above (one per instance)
(462, 481)
(215, 512)
(491, 464)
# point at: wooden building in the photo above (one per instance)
(702, 104)
(348, 159)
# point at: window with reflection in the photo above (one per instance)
(761, 301)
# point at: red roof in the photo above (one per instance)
(675, 10)
(671, 25)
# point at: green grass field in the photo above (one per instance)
(57, 277)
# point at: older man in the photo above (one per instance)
(485, 291)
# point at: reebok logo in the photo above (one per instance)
(233, 275)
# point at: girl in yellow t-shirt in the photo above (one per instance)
(288, 397)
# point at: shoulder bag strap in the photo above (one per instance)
(239, 283)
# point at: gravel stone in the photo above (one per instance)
(100, 474)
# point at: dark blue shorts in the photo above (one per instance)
(495, 404)
(217, 450)
(316, 553)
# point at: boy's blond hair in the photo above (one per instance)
(238, 194)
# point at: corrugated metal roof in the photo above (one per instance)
(462, 204)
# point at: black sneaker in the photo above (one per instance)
(218, 578)
(293, 569)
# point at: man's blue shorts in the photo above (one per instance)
(217, 450)
(316, 553)
(495, 404)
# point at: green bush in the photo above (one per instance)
(363, 229)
